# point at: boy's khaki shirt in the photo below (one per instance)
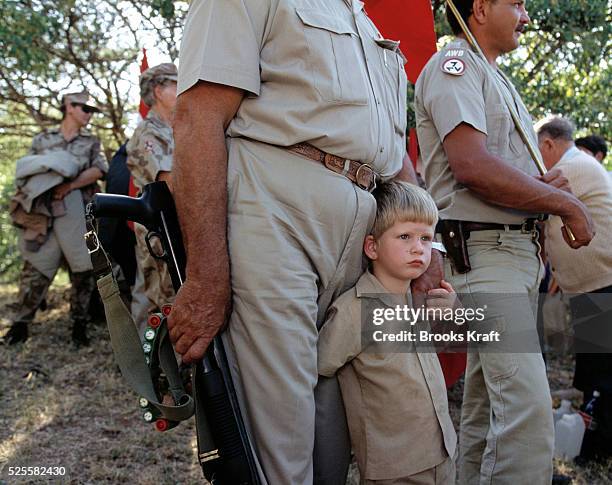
(396, 403)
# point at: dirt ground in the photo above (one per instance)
(61, 407)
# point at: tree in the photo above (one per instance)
(53, 47)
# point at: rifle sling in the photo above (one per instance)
(127, 346)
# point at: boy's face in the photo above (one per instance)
(402, 252)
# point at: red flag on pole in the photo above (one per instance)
(412, 23)
(144, 65)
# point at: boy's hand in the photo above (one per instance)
(428, 280)
(443, 297)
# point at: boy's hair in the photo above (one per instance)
(402, 202)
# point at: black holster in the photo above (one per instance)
(455, 239)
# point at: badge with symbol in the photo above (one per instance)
(454, 66)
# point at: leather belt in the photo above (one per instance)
(361, 174)
(526, 227)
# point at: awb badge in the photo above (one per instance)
(454, 66)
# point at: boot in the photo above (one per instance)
(79, 334)
(17, 333)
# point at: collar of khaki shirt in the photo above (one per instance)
(369, 286)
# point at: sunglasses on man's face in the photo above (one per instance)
(85, 108)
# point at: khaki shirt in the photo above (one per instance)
(396, 403)
(588, 268)
(85, 147)
(150, 150)
(315, 71)
(442, 102)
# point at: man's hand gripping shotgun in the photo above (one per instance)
(224, 451)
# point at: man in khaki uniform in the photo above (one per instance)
(149, 158)
(256, 79)
(64, 242)
(479, 172)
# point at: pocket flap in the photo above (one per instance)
(321, 20)
(392, 45)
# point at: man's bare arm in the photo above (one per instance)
(199, 185)
(407, 173)
(86, 177)
(498, 183)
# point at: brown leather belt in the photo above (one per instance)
(361, 174)
(526, 227)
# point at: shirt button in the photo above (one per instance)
(382, 149)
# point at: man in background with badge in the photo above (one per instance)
(489, 193)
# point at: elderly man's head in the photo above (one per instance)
(158, 86)
(555, 137)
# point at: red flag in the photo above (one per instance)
(144, 65)
(412, 23)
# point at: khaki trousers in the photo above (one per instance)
(442, 474)
(295, 233)
(506, 433)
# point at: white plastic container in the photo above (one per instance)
(569, 432)
(565, 408)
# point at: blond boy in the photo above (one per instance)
(396, 403)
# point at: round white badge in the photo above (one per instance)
(454, 66)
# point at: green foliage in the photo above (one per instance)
(10, 146)
(565, 66)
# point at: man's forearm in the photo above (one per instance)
(501, 184)
(407, 173)
(199, 184)
(497, 182)
(86, 177)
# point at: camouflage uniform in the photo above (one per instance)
(35, 282)
(149, 152)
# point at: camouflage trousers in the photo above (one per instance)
(33, 288)
(157, 282)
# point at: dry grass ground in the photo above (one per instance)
(70, 408)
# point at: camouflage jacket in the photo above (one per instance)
(150, 150)
(85, 147)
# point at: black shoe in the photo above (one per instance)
(559, 479)
(17, 333)
(79, 334)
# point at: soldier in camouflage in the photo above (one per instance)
(149, 159)
(63, 244)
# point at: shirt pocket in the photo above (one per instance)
(334, 57)
(499, 124)
(394, 77)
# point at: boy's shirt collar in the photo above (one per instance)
(368, 286)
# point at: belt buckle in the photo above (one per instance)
(524, 229)
(372, 185)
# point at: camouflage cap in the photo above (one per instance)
(154, 76)
(83, 98)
